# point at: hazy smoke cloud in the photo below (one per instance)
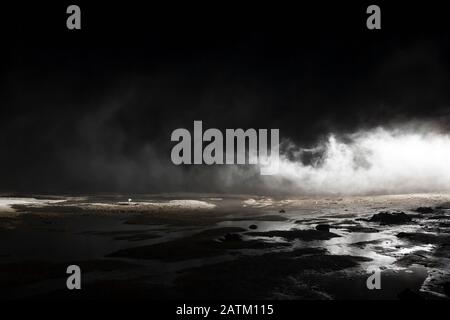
(403, 159)
(374, 161)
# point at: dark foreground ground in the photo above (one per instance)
(225, 247)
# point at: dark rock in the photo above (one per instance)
(391, 218)
(293, 234)
(427, 238)
(191, 247)
(424, 210)
(417, 257)
(323, 227)
(253, 227)
(282, 211)
(231, 237)
(408, 294)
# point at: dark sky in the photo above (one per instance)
(93, 110)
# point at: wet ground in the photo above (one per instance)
(228, 247)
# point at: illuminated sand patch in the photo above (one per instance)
(150, 205)
(258, 203)
(7, 203)
(267, 202)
